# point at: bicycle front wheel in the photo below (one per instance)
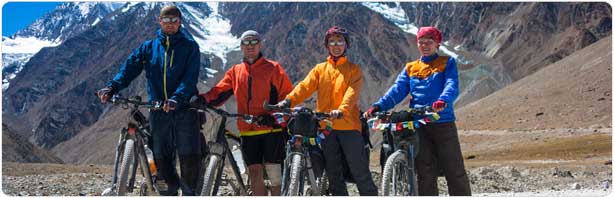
(296, 165)
(126, 163)
(396, 174)
(209, 177)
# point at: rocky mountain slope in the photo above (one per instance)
(574, 92)
(16, 148)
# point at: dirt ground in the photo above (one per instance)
(498, 162)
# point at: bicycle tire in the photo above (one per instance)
(295, 175)
(387, 175)
(209, 176)
(127, 160)
(323, 184)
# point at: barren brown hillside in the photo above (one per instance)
(16, 148)
(574, 92)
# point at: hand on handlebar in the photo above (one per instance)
(369, 113)
(105, 94)
(169, 105)
(266, 120)
(336, 114)
(280, 105)
(439, 105)
(198, 101)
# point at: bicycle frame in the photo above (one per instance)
(403, 140)
(138, 131)
(407, 148)
(300, 146)
(295, 146)
(221, 149)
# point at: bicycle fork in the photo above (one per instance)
(315, 189)
(413, 184)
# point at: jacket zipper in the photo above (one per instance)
(168, 46)
(249, 89)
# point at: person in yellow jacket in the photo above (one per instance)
(338, 83)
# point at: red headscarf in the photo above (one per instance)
(429, 31)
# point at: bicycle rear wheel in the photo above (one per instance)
(210, 174)
(395, 176)
(126, 163)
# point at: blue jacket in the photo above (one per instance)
(177, 55)
(429, 79)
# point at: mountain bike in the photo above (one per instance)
(399, 175)
(133, 151)
(305, 140)
(218, 152)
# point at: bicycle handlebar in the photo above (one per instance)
(384, 115)
(291, 111)
(246, 117)
(136, 101)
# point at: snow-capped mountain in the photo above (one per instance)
(68, 19)
(52, 29)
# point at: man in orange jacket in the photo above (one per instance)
(253, 82)
(338, 83)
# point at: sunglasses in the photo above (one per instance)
(336, 43)
(170, 20)
(250, 42)
(425, 42)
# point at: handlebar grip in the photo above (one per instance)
(269, 107)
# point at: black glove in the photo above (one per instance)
(105, 94)
(267, 120)
(198, 102)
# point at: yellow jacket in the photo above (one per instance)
(338, 86)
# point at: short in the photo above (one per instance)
(265, 148)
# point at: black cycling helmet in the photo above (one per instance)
(337, 30)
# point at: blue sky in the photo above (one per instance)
(18, 15)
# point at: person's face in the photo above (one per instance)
(427, 46)
(250, 47)
(336, 45)
(169, 24)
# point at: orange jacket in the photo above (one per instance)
(252, 85)
(338, 86)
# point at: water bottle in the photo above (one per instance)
(150, 160)
(236, 153)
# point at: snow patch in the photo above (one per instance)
(84, 8)
(128, 6)
(213, 32)
(18, 61)
(28, 45)
(96, 21)
(397, 16)
(211, 71)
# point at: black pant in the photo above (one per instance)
(177, 132)
(352, 145)
(440, 149)
(262, 149)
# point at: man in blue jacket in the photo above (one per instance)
(432, 81)
(171, 63)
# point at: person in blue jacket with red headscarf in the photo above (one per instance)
(432, 80)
